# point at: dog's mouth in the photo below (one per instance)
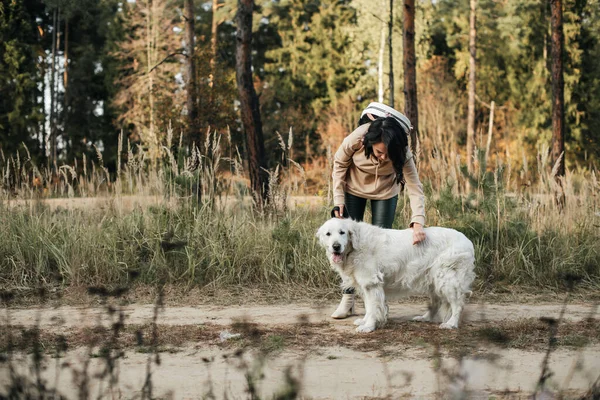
(337, 257)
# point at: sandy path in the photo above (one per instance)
(331, 373)
(325, 373)
(276, 315)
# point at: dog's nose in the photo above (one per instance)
(336, 247)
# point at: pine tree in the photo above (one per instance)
(191, 87)
(311, 68)
(249, 105)
(558, 117)
(86, 115)
(21, 108)
(471, 85)
(148, 98)
(411, 107)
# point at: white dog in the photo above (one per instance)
(384, 263)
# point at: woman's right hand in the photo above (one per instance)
(339, 214)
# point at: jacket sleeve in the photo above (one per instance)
(415, 190)
(343, 159)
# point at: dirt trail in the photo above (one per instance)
(331, 373)
(62, 317)
(325, 372)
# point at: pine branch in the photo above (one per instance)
(180, 52)
(486, 105)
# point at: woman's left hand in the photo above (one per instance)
(418, 233)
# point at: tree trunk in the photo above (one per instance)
(380, 63)
(411, 108)
(44, 65)
(151, 44)
(558, 117)
(249, 103)
(68, 142)
(471, 105)
(66, 61)
(52, 143)
(390, 31)
(547, 32)
(191, 103)
(213, 45)
(490, 132)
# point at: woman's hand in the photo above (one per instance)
(339, 214)
(418, 233)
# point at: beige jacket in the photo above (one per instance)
(373, 179)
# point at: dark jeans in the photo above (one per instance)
(383, 212)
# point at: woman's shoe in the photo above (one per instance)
(346, 307)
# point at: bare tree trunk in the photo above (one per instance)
(44, 65)
(471, 105)
(546, 32)
(66, 63)
(52, 94)
(390, 31)
(55, 89)
(249, 102)
(65, 82)
(380, 63)
(191, 103)
(558, 117)
(151, 44)
(411, 107)
(490, 131)
(213, 44)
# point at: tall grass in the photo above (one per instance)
(529, 228)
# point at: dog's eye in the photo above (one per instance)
(328, 234)
(342, 233)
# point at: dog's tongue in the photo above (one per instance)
(337, 258)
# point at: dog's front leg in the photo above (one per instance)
(361, 321)
(376, 315)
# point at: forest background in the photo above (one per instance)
(101, 99)
(116, 66)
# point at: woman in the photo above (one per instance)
(374, 163)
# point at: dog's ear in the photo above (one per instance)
(319, 234)
(353, 229)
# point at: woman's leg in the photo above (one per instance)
(384, 212)
(356, 210)
(355, 206)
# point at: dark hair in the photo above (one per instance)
(389, 131)
(366, 120)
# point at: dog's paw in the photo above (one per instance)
(365, 329)
(423, 318)
(359, 321)
(446, 325)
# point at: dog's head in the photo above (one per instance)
(334, 236)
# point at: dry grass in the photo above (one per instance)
(530, 228)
